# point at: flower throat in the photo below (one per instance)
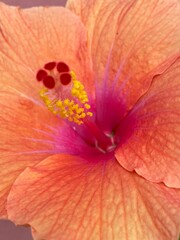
(66, 97)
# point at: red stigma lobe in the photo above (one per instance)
(62, 67)
(50, 65)
(65, 78)
(49, 82)
(41, 74)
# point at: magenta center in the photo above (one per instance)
(107, 129)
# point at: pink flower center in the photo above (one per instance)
(65, 96)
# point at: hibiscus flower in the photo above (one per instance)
(89, 119)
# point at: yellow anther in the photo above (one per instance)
(71, 103)
(90, 114)
(66, 102)
(42, 92)
(47, 101)
(59, 103)
(79, 110)
(83, 115)
(87, 106)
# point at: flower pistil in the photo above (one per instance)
(62, 93)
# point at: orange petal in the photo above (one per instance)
(65, 197)
(29, 38)
(144, 37)
(154, 148)
(25, 137)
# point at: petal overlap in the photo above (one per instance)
(141, 39)
(75, 199)
(153, 150)
(53, 177)
(25, 138)
(28, 39)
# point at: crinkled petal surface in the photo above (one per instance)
(65, 197)
(25, 138)
(144, 38)
(154, 148)
(28, 39)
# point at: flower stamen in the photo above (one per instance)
(63, 94)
